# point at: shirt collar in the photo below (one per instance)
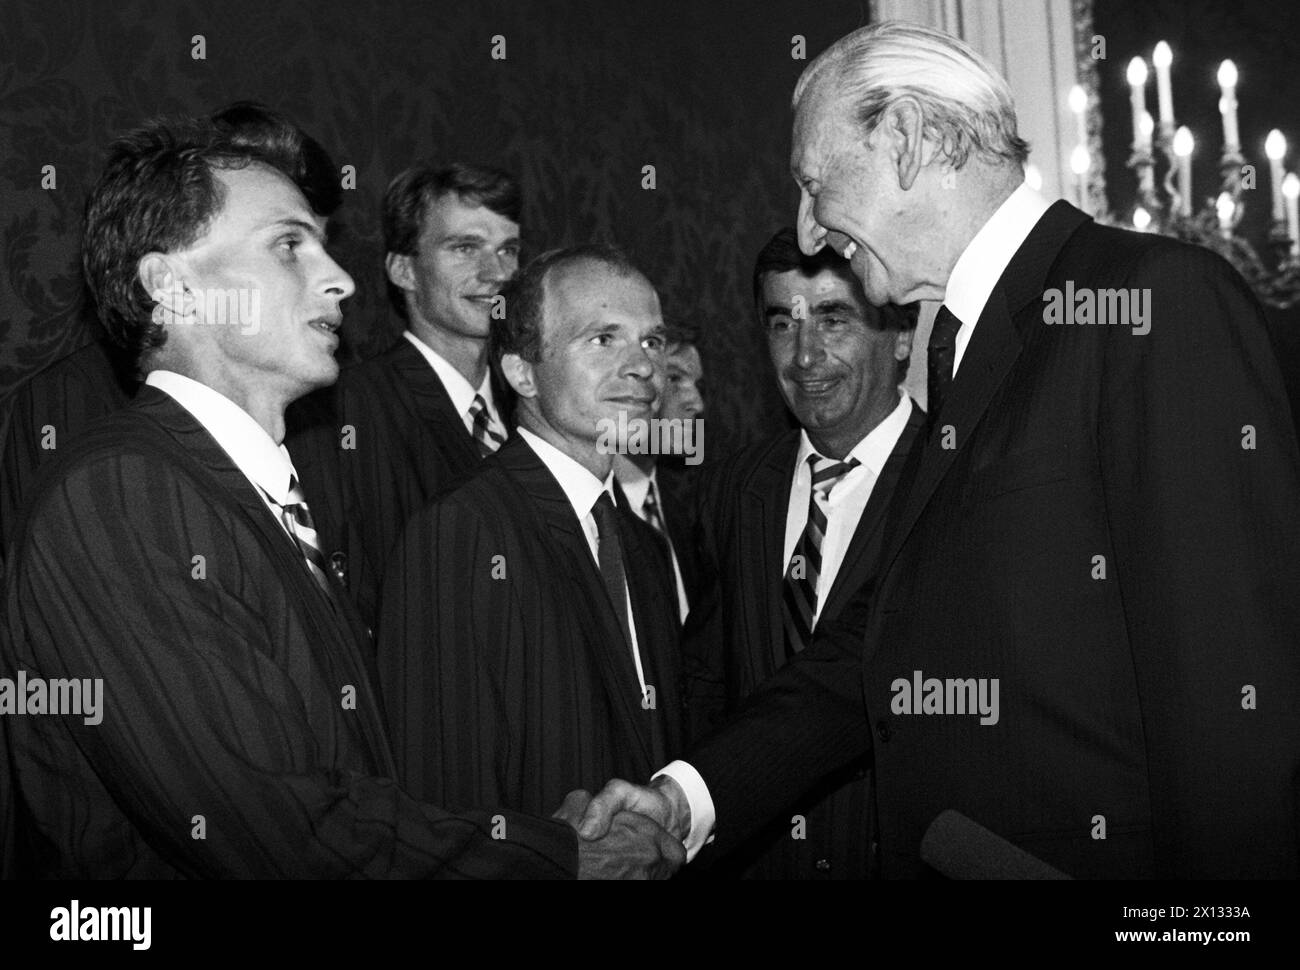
(458, 389)
(984, 260)
(876, 446)
(580, 486)
(636, 485)
(263, 462)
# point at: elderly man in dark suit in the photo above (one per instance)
(171, 564)
(401, 428)
(789, 529)
(1082, 631)
(528, 632)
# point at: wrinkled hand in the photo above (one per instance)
(664, 801)
(630, 846)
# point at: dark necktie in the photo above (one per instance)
(801, 575)
(940, 355)
(487, 439)
(651, 509)
(610, 557)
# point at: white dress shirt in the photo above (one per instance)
(458, 389)
(848, 499)
(973, 277)
(264, 463)
(582, 489)
(636, 486)
(986, 257)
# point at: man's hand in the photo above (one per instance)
(664, 801)
(630, 846)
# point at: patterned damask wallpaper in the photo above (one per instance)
(589, 92)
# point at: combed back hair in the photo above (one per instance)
(158, 193)
(966, 104)
(409, 196)
(781, 254)
(252, 125)
(519, 331)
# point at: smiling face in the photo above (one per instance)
(602, 341)
(837, 366)
(850, 199)
(273, 336)
(465, 253)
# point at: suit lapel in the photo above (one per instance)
(341, 624)
(992, 352)
(564, 534)
(767, 499)
(428, 399)
(864, 548)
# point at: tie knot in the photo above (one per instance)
(944, 332)
(827, 472)
(296, 497)
(478, 406)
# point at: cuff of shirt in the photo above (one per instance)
(700, 802)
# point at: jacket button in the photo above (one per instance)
(823, 865)
(882, 730)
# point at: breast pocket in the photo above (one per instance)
(1017, 471)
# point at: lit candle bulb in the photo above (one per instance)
(1141, 219)
(1228, 107)
(1080, 162)
(1226, 209)
(1291, 189)
(1079, 105)
(1162, 57)
(1137, 83)
(1275, 149)
(1183, 145)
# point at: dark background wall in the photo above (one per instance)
(589, 92)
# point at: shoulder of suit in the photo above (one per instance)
(737, 467)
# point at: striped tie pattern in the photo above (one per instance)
(297, 519)
(800, 593)
(487, 439)
(651, 509)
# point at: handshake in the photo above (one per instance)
(628, 831)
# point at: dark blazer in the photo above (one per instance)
(678, 489)
(235, 688)
(503, 666)
(407, 446)
(1155, 697)
(735, 641)
(65, 397)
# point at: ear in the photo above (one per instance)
(904, 126)
(519, 373)
(163, 278)
(399, 270)
(903, 344)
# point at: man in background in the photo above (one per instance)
(790, 528)
(403, 427)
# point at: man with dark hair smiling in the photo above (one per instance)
(528, 637)
(172, 556)
(790, 528)
(407, 425)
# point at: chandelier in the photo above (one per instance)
(1166, 201)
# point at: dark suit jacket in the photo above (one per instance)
(504, 670)
(64, 397)
(1158, 700)
(235, 688)
(408, 445)
(735, 641)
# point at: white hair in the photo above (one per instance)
(966, 104)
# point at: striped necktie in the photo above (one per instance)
(487, 439)
(800, 594)
(297, 520)
(651, 509)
